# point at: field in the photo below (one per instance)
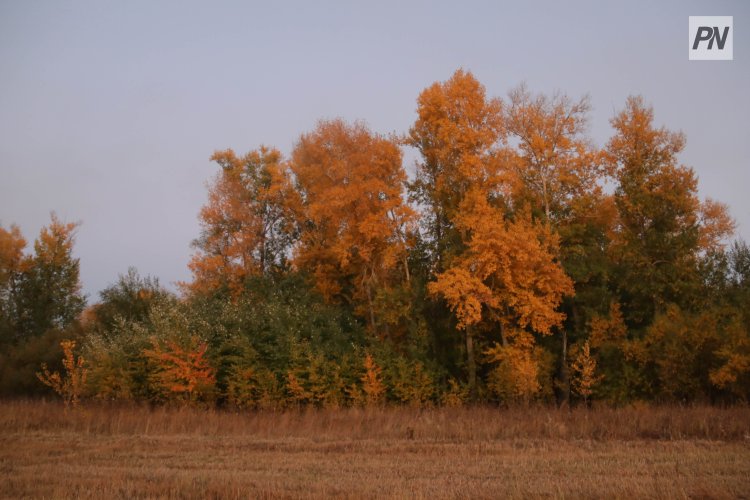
(125, 452)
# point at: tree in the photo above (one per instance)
(49, 292)
(556, 165)
(584, 377)
(181, 372)
(246, 225)
(559, 174)
(507, 271)
(457, 133)
(662, 225)
(12, 266)
(127, 300)
(372, 384)
(354, 223)
(71, 384)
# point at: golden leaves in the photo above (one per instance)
(354, 222)
(584, 377)
(246, 222)
(71, 384)
(508, 266)
(181, 371)
(372, 384)
(464, 293)
(55, 242)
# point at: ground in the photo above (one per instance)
(129, 452)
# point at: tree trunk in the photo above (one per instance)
(371, 308)
(564, 375)
(472, 365)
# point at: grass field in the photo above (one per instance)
(125, 452)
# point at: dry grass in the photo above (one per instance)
(126, 452)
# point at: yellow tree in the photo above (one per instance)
(246, 228)
(70, 385)
(354, 223)
(372, 384)
(457, 133)
(560, 175)
(556, 167)
(507, 272)
(585, 376)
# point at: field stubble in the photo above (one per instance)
(129, 451)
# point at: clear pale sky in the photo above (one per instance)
(109, 111)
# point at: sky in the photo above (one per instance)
(109, 111)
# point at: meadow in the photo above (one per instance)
(101, 451)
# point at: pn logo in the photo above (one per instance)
(710, 38)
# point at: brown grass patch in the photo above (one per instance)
(126, 452)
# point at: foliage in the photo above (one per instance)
(181, 371)
(662, 225)
(518, 262)
(585, 376)
(246, 224)
(354, 223)
(40, 292)
(70, 385)
(372, 384)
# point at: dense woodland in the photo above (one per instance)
(519, 263)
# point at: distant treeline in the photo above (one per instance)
(519, 263)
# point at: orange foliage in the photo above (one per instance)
(70, 385)
(372, 383)
(55, 242)
(556, 166)
(245, 222)
(354, 222)
(508, 266)
(12, 244)
(609, 329)
(715, 224)
(459, 131)
(182, 372)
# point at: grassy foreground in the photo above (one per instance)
(125, 452)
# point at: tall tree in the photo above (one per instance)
(246, 228)
(556, 166)
(508, 272)
(560, 175)
(354, 223)
(49, 293)
(662, 224)
(12, 265)
(457, 133)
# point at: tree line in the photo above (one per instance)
(518, 263)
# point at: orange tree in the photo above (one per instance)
(559, 174)
(246, 229)
(507, 274)
(354, 225)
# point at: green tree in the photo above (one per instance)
(49, 293)
(662, 225)
(129, 299)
